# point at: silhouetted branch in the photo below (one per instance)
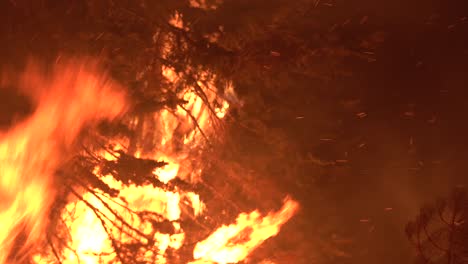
(54, 251)
(429, 238)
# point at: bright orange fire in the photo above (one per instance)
(73, 95)
(233, 243)
(76, 94)
(91, 240)
(90, 235)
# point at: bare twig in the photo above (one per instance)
(429, 238)
(195, 123)
(54, 251)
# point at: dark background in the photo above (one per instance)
(410, 147)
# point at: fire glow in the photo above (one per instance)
(69, 100)
(32, 150)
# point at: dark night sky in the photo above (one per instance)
(411, 146)
(415, 130)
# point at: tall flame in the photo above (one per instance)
(91, 233)
(73, 95)
(76, 94)
(177, 136)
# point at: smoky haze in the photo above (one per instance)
(410, 147)
(401, 137)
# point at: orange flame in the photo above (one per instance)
(90, 241)
(74, 95)
(233, 243)
(77, 94)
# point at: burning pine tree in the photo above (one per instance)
(134, 192)
(119, 199)
(151, 185)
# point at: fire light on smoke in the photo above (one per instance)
(66, 100)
